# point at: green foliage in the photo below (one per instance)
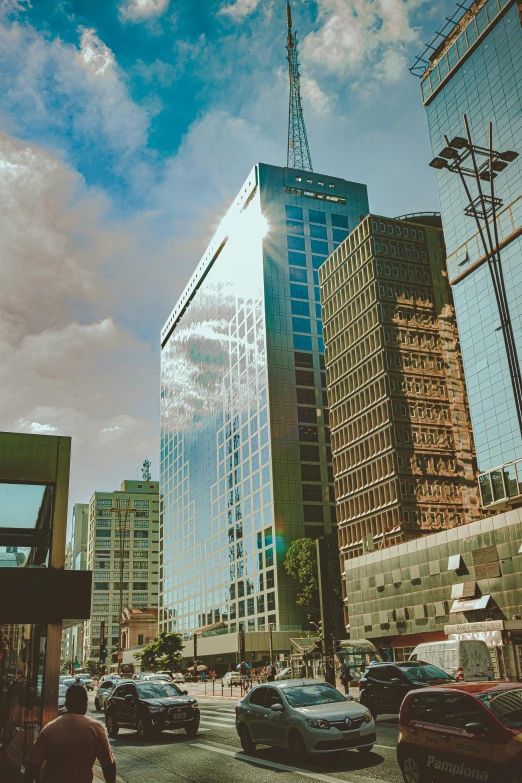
(301, 565)
(66, 667)
(164, 653)
(91, 667)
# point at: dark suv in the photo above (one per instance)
(150, 707)
(383, 686)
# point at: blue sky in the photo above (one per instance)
(126, 127)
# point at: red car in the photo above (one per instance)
(462, 732)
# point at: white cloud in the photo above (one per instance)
(240, 8)
(315, 96)
(94, 54)
(137, 10)
(355, 34)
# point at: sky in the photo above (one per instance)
(126, 129)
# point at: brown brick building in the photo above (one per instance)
(403, 454)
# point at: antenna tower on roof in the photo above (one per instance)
(298, 152)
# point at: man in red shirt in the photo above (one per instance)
(69, 745)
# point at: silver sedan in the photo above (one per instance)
(306, 716)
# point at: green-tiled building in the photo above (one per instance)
(465, 581)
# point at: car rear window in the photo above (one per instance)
(506, 706)
(424, 673)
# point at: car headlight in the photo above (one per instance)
(367, 717)
(318, 723)
(155, 709)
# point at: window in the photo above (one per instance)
(300, 308)
(301, 325)
(318, 232)
(141, 503)
(296, 243)
(315, 216)
(426, 708)
(293, 227)
(298, 291)
(298, 275)
(296, 259)
(140, 639)
(293, 213)
(461, 710)
(257, 697)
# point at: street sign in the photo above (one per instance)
(76, 666)
(120, 656)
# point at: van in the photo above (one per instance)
(467, 660)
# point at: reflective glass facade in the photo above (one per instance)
(245, 454)
(485, 84)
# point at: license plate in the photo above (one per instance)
(351, 735)
(178, 716)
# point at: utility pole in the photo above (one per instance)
(326, 598)
(123, 509)
(103, 649)
(270, 643)
(195, 655)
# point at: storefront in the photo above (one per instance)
(504, 644)
(37, 593)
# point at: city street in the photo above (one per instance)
(215, 755)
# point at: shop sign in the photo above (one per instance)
(487, 625)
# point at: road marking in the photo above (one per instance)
(388, 747)
(284, 767)
(219, 725)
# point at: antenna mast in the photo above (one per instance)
(298, 153)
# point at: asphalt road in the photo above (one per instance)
(215, 755)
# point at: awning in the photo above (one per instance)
(305, 645)
(470, 605)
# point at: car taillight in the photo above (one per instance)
(460, 674)
(359, 684)
(236, 707)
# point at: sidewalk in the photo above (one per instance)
(209, 690)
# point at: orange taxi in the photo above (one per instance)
(462, 732)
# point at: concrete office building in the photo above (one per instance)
(463, 583)
(80, 529)
(135, 507)
(245, 447)
(403, 455)
(475, 69)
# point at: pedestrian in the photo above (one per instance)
(346, 676)
(270, 672)
(69, 745)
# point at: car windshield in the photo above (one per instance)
(157, 690)
(506, 706)
(308, 695)
(426, 673)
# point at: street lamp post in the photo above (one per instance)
(123, 509)
(461, 156)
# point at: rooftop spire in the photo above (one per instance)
(298, 152)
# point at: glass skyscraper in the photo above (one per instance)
(476, 70)
(245, 443)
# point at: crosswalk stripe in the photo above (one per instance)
(219, 714)
(219, 725)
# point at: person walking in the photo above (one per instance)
(69, 746)
(346, 677)
(270, 672)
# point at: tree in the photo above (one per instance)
(91, 667)
(164, 652)
(66, 667)
(301, 565)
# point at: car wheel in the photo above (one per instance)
(144, 729)
(367, 749)
(193, 729)
(297, 745)
(247, 743)
(411, 771)
(112, 726)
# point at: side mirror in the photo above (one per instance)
(476, 728)
(277, 708)
(185, 693)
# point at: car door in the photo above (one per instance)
(129, 705)
(116, 695)
(379, 679)
(399, 687)
(476, 746)
(255, 713)
(275, 722)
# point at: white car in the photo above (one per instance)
(231, 678)
(62, 690)
(178, 677)
(306, 716)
